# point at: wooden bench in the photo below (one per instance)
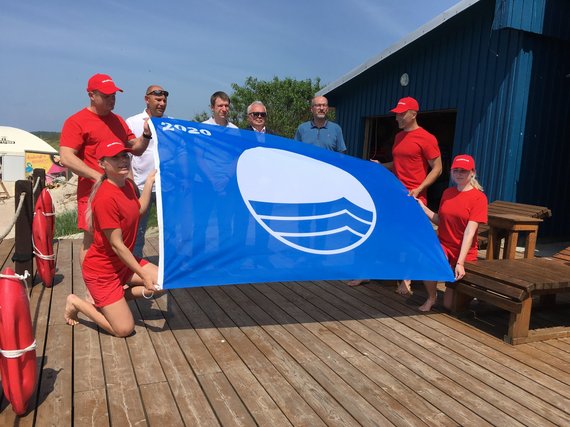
(510, 285)
(514, 299)
(563, 256)
(500, 207)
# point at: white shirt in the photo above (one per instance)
(211, 121)
(144, 164)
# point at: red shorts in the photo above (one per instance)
(81, 211)
(108, 288)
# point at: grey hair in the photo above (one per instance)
(255, 103)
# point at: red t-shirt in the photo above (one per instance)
(456, 209)
(112, 207)
(411, 152)
(83, 131)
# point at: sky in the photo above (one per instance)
(48, 50)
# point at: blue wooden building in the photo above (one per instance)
(493, 80)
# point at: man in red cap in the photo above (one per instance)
(416, 158)
(81, 134)
(416, 161)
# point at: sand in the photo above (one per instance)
(63, 196)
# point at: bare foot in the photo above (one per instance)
(405, 288)
(353, 283)
(426, 306)
(70, 311)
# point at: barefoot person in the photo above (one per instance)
(416, 162)
(463, 207)
(113, 214)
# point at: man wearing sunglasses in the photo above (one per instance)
(320, 131)
(256, 117)
(156, 99)
(83, 132)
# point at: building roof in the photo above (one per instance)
(424, 29)
(18, 141)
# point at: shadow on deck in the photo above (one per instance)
(310, 353)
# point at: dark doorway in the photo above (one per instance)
(379, 138)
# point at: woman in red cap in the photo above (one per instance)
(462, 208)
(113, 214)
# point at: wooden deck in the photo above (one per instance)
(304, 354)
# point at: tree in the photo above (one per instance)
(288, 102)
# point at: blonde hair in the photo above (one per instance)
(89, 211)
(475, 183)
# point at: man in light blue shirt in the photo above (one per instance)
(319, 131)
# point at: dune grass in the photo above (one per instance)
(66, 222)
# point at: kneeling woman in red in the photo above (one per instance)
(461, 210)
(110, 264)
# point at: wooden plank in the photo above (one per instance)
(494, 270)
(90, 408)
(89, 394)
(505, 289)
(189, 396)
(268, 340)
(55, 397)
(289, 400)
(396, 399)
(542, 334)
(40, 297)
(560, 345)
(258, 402)
(512, 207)
(159, 404)
(364, 396)
(440, 391)
(88, 364)
(226, 403)
(484, 295)
(124, 400)
(544, 375)
(479, 389)
(222, 397)
(55, 393)
(530, 394)
(141, 350)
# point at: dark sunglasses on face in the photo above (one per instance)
(158, 93)
(256, 114)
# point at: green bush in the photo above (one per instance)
(152, 221)
(66, 223)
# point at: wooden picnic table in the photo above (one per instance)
(511, 284)
(501, 207)
(508, 227)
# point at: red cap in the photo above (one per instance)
(103, 83)
(110, 149)
(406, 104)
(463, 161)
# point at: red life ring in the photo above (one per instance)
(17, 343)
(42, 237)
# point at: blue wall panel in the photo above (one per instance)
(499, 81)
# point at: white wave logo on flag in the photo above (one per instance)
(305, 203)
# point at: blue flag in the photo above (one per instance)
(235, 206)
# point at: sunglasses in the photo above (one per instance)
(256, 114)
(158, 93)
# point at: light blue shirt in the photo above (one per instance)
(329, 136)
